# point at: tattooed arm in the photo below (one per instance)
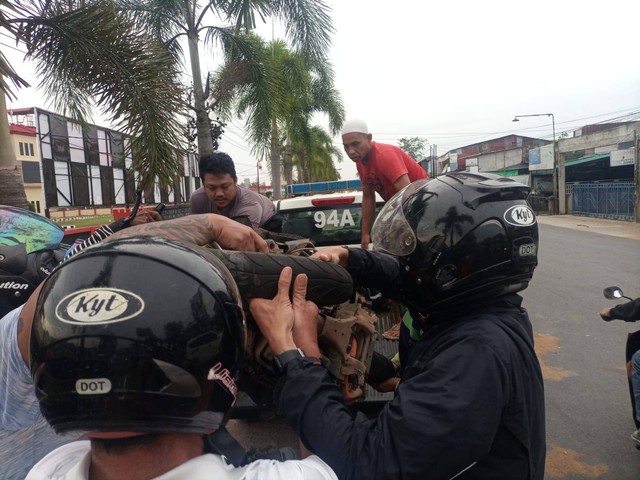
(201, 229)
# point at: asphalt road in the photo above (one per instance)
(588, 408)
(587, 401)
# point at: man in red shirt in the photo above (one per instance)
(382, 168)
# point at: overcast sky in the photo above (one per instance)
(457, 72)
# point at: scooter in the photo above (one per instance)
(633, 345)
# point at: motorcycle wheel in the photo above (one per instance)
(256, 275)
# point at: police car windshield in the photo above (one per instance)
(325, 225)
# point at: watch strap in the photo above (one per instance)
(280, 361)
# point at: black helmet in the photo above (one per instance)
(138, 335)
(460, 237)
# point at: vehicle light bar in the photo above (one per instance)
(319, 202)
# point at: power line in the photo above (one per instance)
(226, 138)
(456, 138)
(13, 48)
(4, 34)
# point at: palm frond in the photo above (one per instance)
(6, 70)
(308, 25)
(91, 52)
(163, 19)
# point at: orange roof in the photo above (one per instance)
(22, 130)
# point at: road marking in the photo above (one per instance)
(562, 462)
(545, 343)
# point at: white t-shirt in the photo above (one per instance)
(25, 436)
(72, 461)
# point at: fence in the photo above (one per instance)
(175, 211)
(170, 211)
(607, 200)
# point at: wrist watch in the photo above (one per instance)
(280, 361)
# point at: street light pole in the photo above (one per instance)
(258, 174)
(554, 178)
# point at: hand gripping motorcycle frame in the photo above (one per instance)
(346, 324)
(346, 341)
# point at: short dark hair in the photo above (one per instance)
(217, 163)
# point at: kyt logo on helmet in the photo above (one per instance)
(99, 306)
(519, 215)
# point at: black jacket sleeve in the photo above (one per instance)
(374, 269)
(429, 430)
(629, 312)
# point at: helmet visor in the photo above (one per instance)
(22, 227)
(391, 231)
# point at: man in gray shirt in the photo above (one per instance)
(222, 195)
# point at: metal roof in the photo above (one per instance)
(587, 159)
(517, 166)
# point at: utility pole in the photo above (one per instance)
(636, 176)
(258, 173)
(557, 177)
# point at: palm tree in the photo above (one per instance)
(314, 157)
(322, 97)
(12, 191)
(88, 52)
(308, 26)
(277, 95)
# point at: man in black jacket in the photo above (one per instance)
(470, 401)
(630, 312)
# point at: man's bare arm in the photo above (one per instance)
(200, 229)
(368, 214)
(401, 182)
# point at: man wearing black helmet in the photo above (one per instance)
(25, 437)
(136, 345)
(470, 401)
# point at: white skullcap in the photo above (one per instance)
(354, 125)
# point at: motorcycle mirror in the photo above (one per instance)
(613, 293)
(134, 210)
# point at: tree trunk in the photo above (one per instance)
(12, 186)
(304, 167)
(203, 123)
(288, 163)
(276, 175)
